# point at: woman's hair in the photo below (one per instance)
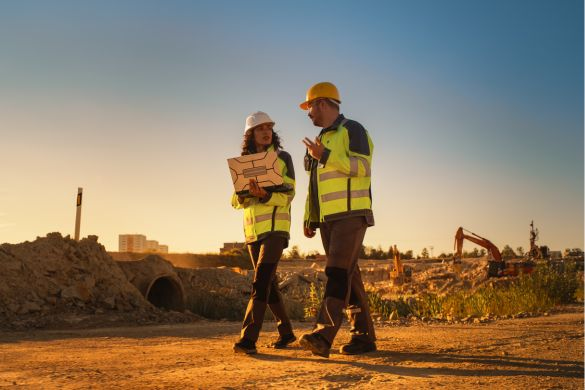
(249, 146)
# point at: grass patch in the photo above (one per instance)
(548, 286)
(538, 292)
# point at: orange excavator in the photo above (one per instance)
(401, 273)
(496, 265)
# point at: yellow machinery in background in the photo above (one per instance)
(400, 274)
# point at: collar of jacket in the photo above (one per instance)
(333, 126)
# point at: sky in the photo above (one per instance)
(475, 109)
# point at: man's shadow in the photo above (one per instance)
(389, 362)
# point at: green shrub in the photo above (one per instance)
(314, 301)
(384, 307)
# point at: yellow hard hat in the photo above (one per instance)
(321, 90)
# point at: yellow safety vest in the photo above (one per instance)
(344, 182)
(261, 219)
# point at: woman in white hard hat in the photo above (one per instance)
(266, 227)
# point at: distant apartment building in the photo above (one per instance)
(228, 246)
(151, 246)
(137, 243)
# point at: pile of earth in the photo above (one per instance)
(55, 281)
(432, 276)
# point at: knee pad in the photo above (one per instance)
(337, 282)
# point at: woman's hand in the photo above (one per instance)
(256, 190)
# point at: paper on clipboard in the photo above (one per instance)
(263, 167)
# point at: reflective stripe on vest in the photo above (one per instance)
(343, 195)
(331, 175)
(354, 166)
(267, 217)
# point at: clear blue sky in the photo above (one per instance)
(475, 109)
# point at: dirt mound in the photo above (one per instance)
(218, 293)
(297, 285)
(432, 277)
(55, 279)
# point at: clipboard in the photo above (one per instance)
(263, 167)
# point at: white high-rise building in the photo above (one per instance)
(131, 243)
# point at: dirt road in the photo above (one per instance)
(529, 353)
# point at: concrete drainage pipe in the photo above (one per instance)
(166, 292)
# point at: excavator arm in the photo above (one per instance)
(483, 242)
(497, 266)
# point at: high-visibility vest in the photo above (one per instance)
(344, 182)
(261, 219)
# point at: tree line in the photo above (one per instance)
(378, 253)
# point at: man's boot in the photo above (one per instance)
(357, 346)
(315, 343)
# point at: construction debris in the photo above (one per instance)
(55, 281)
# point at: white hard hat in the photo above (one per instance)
(256, 119)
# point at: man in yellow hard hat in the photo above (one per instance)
(339, 203)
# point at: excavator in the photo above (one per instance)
(496, 265)
(401, 273)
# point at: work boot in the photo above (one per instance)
(315, 343)
(245, 346)
(283, 341)
(357, 346)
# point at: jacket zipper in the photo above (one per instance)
(348, 194)
(273, 218)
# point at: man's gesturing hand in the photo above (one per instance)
(315, 148)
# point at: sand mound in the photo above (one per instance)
(55, 279)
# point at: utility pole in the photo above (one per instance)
(78, 214)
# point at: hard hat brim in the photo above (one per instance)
(305, 105)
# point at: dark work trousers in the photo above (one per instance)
(344, 290)
(265, 255)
